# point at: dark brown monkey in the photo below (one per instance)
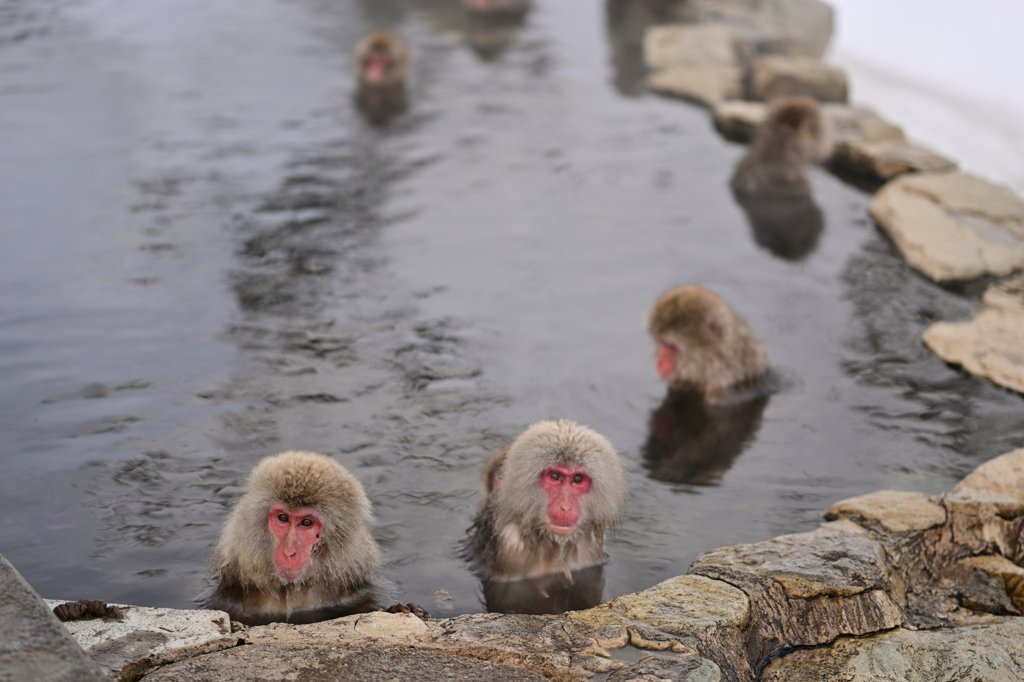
(702, 345)
(296, 547)
(382, 67)
(492, 25)
(791, 138)
(547, 500)
(516, 7)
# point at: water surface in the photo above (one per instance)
(210, 257)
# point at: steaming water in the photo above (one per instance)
(208, 256)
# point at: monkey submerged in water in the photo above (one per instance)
(791, 138)
(382, 66)
(296, 547)
(547, 499)
(703, 346)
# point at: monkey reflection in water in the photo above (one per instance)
(382, 66)
(772, 185)
(296, 547)
(537, 541)
(719, 383)
(492, 25)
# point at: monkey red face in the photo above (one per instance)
(666, 360)
(296, 538)
(376, 65)
(565, 488)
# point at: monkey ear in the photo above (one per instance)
(715, 328)
(495, 480)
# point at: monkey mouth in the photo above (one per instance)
(564, 531)
(289, 575)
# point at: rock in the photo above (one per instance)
(33, 644)
(1008, 572)
(793, 27)
(806, 589)
(689, 613)
(887, 159)
(1000, 479)
(149, 637)
(738, 120)
(680, 669)
(992, 344)
(990, 652)
(702, 84)
(778, 76)
(953, 226)
(323, 662)
(697, 62)
(897, 512)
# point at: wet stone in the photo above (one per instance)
(990, 652)
(695, 62)
(953, 226)
(776, 76)
(886, 159)
(148, 637)
(329, 663)
(992, 344)
(677, 668)
(897, 512)
(33, 644)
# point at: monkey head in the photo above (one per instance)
(382, 60)
(701, 343)
(303, 521)
(558, 480)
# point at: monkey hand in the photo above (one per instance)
(409, 608)
(87, 608)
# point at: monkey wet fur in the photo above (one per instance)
(547, 500)
(296, 547)
(703, 345)
(792, 137)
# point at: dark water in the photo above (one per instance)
(208, 256)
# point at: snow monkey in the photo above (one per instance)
(296, 547)
(382, 66)
(702, 345)
(791, 138)
(547, 499)
(382, 59)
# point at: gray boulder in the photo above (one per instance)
(992, 344)
(33, 644)
(781, 76)
(953, 226)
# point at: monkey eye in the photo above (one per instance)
(307, 523)
(578, 478)
(554, 475)
(283, 518)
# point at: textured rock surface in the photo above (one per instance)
(990, 652)
(895, 511)
(149, 637)
(992, 344)
(677, 668)
(886, 159)
(33, 644)
(294, 662)
(953, 226)
(806, 589)
(779, 76)
(697, 62)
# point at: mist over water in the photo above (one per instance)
(209, 256)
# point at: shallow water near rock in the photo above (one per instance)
(210, 257)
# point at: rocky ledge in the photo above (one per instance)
(893, 585)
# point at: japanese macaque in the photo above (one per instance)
(791, 138)
(382, 66)
(703, 346)
(296, 547)
(547, 500)
(694, 442)
(492, 25)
